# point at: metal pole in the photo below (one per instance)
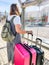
(39, 18)
(23, 19)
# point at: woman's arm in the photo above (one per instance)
(17, 23)
(20, 31)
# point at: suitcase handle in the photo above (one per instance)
(31, 38)
(30, 34)
(37, 40)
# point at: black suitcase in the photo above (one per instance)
(40, 53)
(40, 56)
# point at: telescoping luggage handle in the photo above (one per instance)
(31, 37)
(38, 40)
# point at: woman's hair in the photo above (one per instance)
(13, 9)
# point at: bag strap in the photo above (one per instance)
(12, 19)
(13, 26)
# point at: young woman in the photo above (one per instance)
(17, 25)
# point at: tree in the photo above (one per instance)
(32, 19)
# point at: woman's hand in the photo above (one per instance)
(29, 32)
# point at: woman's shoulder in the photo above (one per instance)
(10, 17)
(17, 17)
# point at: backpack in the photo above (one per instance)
(8, 31)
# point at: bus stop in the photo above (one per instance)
(45, 46)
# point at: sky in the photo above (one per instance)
(5, 5)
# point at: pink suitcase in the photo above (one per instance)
(33, 51)
(33, 56)
(22, 56)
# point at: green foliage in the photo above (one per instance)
(32, 18)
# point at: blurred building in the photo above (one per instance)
(38, 14)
